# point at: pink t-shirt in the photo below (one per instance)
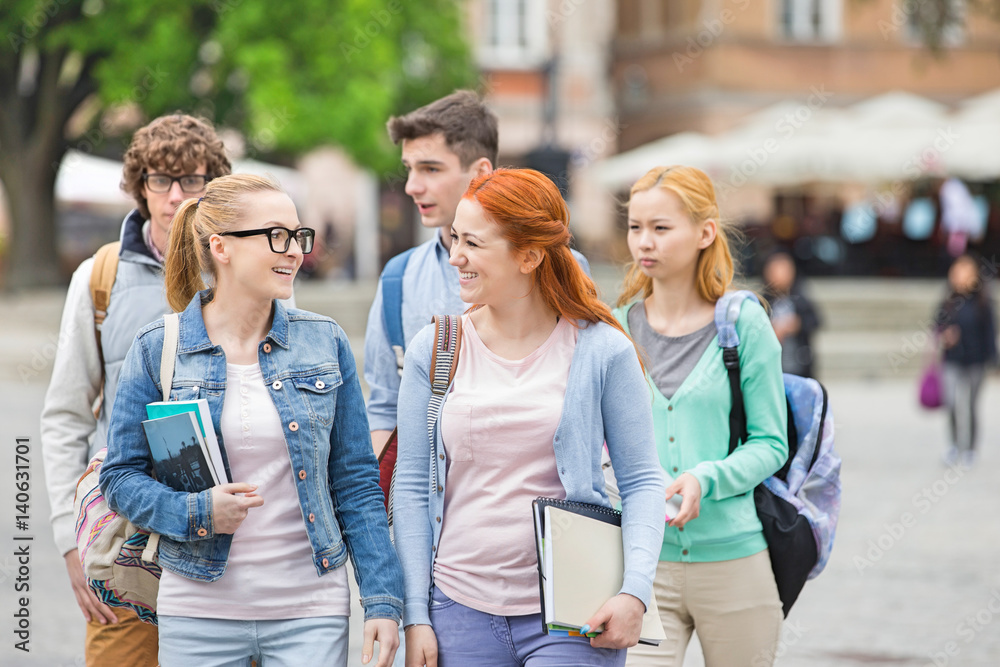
(270, 574)
(498, 425)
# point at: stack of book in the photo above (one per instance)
(185, 451)
(581, 565)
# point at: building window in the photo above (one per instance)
(920, 14)
(810, 20)
(513, 34)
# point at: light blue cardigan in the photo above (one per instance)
(607, 399)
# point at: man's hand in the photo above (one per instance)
(621, 617)
(386, 633)
(421, 646)
(228, 509)
(93, 609)
(379, 439)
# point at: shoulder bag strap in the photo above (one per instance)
(168, 355)
(727, 313)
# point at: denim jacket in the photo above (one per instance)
(309, 371)
(607, 400)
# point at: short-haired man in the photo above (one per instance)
(445, 145)
(168, 161)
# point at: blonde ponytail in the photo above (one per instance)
(182, 265)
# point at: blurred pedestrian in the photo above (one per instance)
(167, 161)
(255, 569)
(793, 314)
(714, 574)
(967, 329)
(543, 352)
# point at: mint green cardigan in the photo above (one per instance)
(692, 435)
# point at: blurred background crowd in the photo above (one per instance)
(861, 136)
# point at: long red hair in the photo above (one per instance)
(530, 213)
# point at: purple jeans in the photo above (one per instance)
(470, 638)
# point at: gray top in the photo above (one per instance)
(669, 359)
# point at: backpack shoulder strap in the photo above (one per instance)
(727, 313)
(447, 345)
(102, 279)
(392, 303)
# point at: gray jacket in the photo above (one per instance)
(70, 435)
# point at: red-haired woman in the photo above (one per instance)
(544, 378)
(714, 574)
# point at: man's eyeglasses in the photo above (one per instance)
(279, 238)
(190, 183)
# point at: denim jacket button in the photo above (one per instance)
(326, 562)
(441, 456)
(302, 474)
(202, 532)
(439, 519)
(276, 385)
(312, 518)
(267, 347)
(293, 426)
(320, 384)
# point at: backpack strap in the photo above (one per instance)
(102, 279)
(444, 361)
(447, 345)
(727, 313)
(171, 331)
(392, 304)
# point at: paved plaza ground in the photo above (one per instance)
(914, 578)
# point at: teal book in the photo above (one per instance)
(180, 458)
(203, 416)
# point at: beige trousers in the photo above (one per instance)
(733, 604)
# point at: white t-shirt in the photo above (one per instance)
(270, 574)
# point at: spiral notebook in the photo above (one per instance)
(581, 565)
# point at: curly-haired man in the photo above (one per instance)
(169, 160)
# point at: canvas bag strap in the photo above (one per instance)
(168, 355)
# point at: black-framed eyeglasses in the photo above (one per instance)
(190, 183)
(279, 238)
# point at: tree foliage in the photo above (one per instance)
(290, 75)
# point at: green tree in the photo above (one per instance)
(289, 75)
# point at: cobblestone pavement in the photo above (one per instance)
(914, 578)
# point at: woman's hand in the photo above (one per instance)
(228, 509)
(690, 489)
(421, 646)
(621, 617)
(386, 633)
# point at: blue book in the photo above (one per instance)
(180, 457)
(200, 408)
